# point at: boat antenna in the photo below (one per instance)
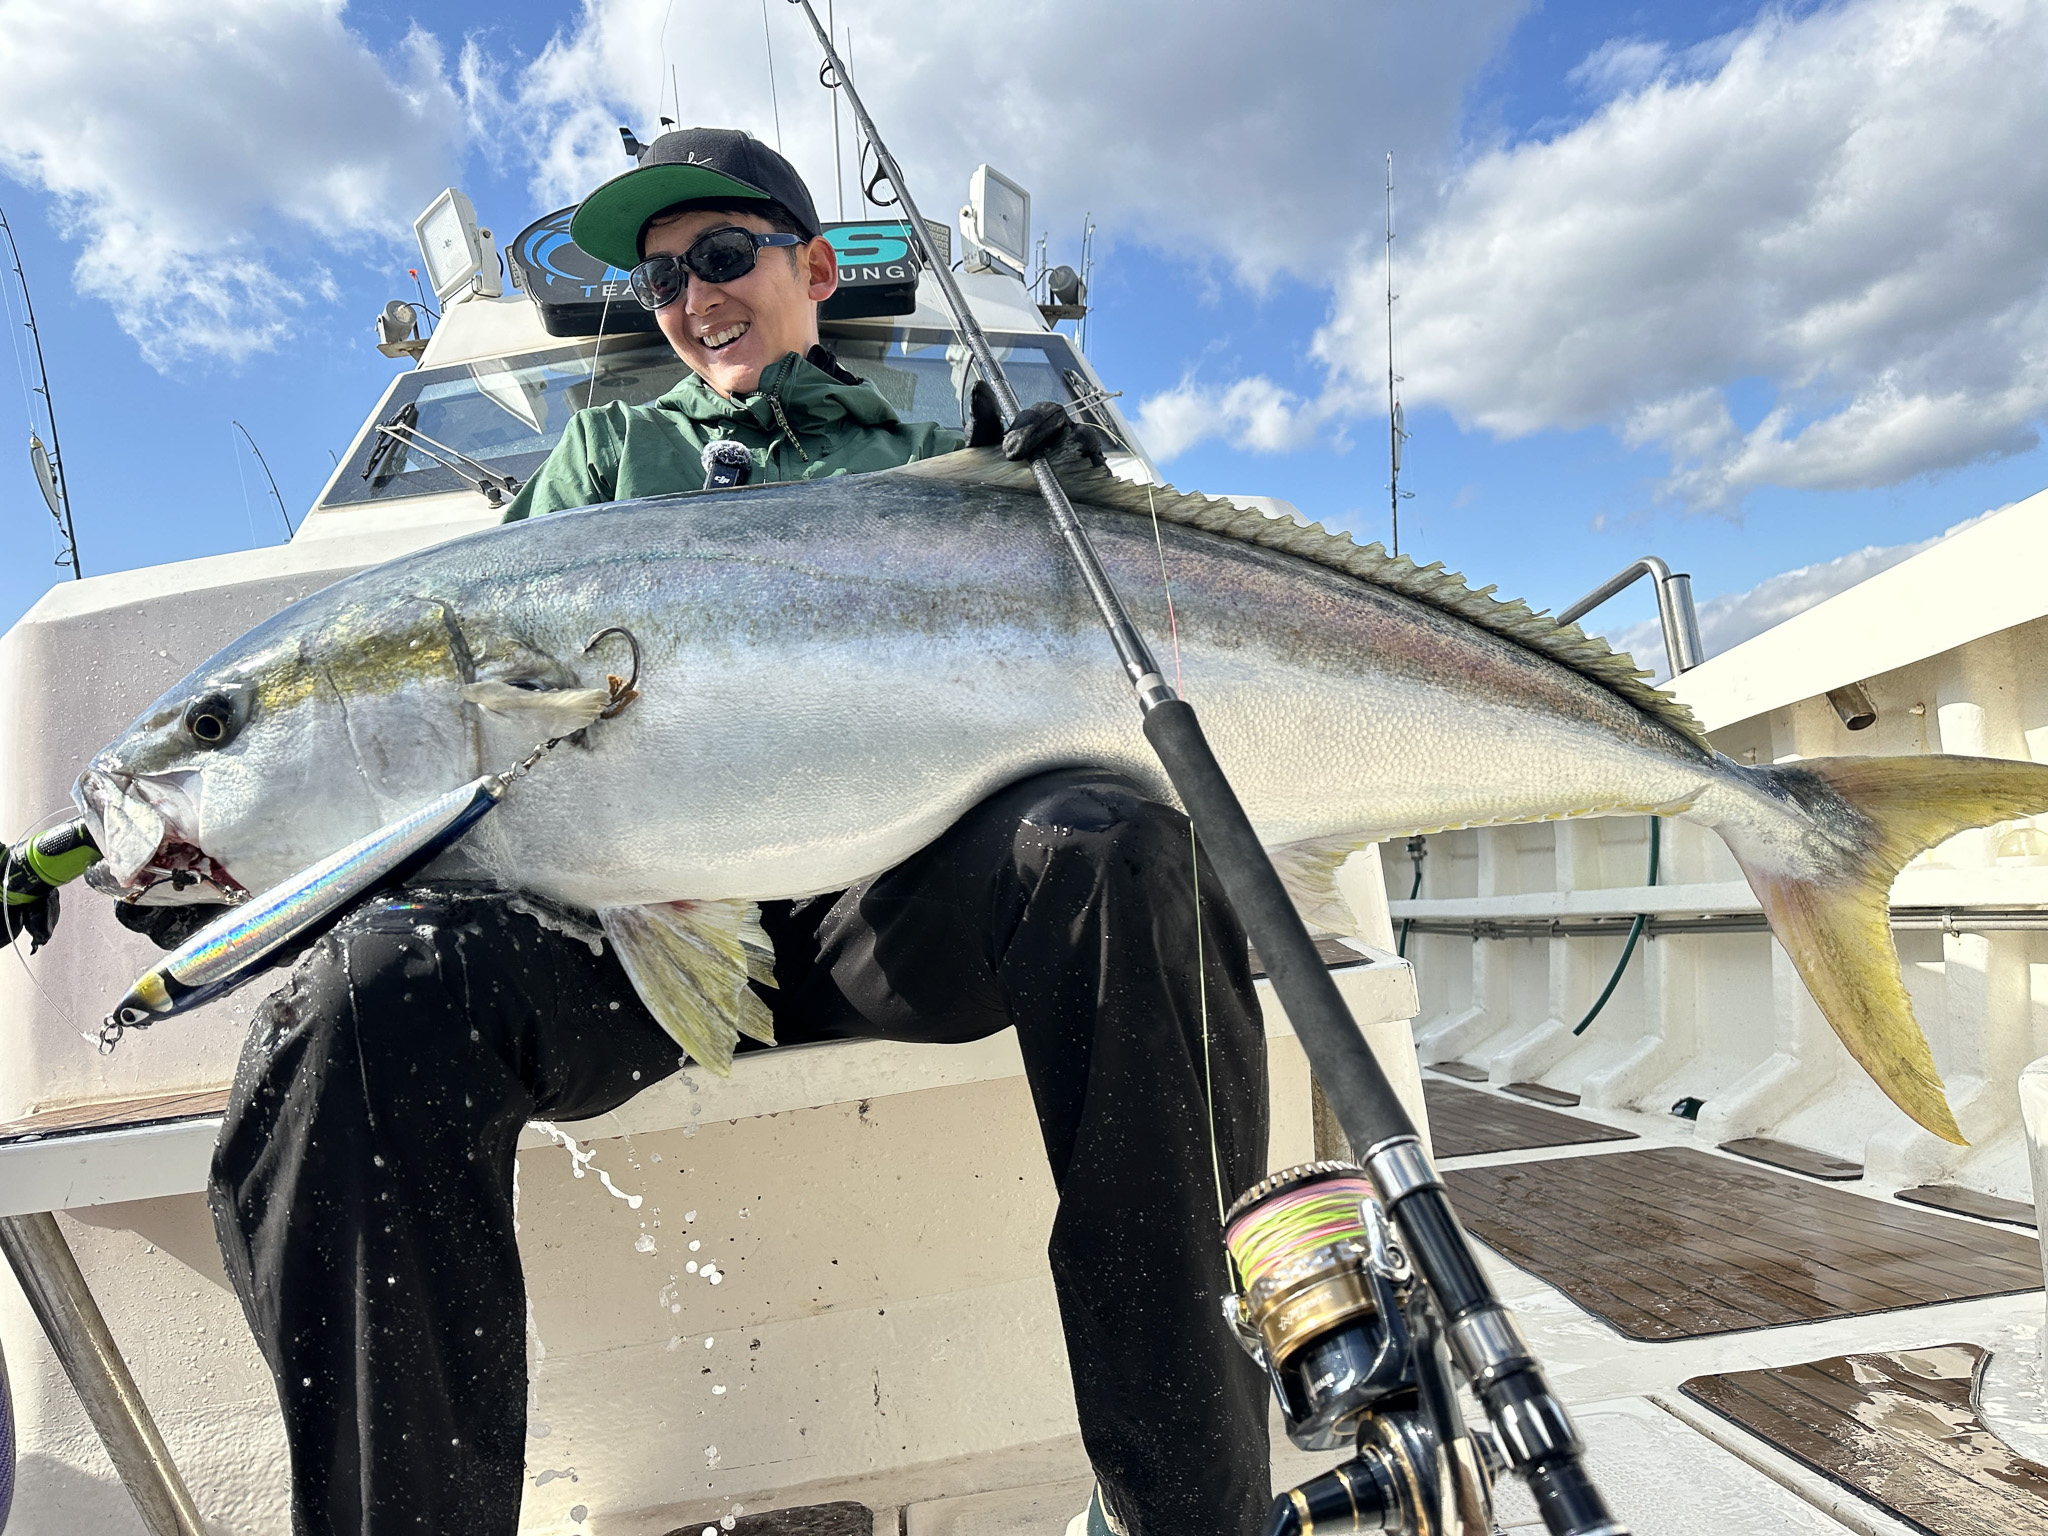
(1529, 1420)
(838, 76)
(1397, 426)
(1087, 277)
(48, 464)
(288, 530)
(774, 100)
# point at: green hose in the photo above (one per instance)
(1415, 852)
(1635, 931)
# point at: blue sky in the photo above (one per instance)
(1197, 287)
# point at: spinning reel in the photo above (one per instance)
(1331, 1310)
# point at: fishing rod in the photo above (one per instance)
(1417, 1467)
(49, 467)
(276, 495)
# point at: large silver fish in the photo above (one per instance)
(833, 672)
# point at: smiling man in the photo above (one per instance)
(724, 246)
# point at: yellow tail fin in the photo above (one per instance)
(1828, 901)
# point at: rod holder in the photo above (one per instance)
(1675, 609)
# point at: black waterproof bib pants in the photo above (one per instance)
(362, 1188)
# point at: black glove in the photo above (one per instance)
(166, 927)
(1043, 428)
(37, 919)
(984, 419)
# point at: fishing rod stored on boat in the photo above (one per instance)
(1457, 1303)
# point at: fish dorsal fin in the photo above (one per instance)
(690, 962)
(1566, 644)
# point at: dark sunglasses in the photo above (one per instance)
(721, 256)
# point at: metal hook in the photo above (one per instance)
(623, 693)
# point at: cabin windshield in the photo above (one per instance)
(507, 413)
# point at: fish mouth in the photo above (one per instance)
(149, 853)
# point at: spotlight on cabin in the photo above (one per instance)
(997, 224)
(462, 261)
(398, 326)
(1066, 287)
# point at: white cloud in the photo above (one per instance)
(208, 154)
(1849, 208)
(1842, 215)
(1182, 123)
(1730, 618)
(1251, 413)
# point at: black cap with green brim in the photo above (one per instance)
(689, 165)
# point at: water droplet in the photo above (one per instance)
(579, 1512)
(708, 1342)
(728, 1522)
(644, 1243)
(745, 1214)
(717, 1278)
(689, 1215)
(695, 1243)
(718, 1391)
(691, 1267)
(377, 1158)
(305, 1381)
(636, 1077)
(710, 1455)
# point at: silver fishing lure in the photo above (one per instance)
(232, 948)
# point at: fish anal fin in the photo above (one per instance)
(690, 962)
(1309, 871)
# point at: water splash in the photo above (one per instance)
(582, 1158)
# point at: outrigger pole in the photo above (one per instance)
(1529, 1422)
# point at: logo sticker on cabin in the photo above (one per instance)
(577, 294)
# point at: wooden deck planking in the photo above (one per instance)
(115, 1114)
(1900, 1429)
(1464, 1122)
(1671, 1243)
(1735, 1270)
(1970, 1202)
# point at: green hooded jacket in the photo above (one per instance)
(803, 423)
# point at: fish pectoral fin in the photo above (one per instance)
(550, 712)
(690, 962)
(1309, 871)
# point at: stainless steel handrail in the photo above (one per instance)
(78, 1335)
(1614, 925)
(1674, 607)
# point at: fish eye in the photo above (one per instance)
(210, 719)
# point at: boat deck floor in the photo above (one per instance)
(1677, 1243)
(1745, 1286)
(1464, 1122)
(1901, 1428)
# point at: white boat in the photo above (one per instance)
(882, 1348)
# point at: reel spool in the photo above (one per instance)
(1323, 1300)
(1330, 1308)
